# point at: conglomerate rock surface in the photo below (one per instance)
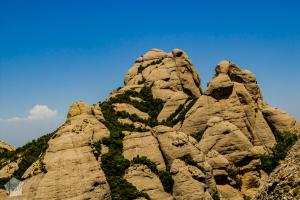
(169, 138)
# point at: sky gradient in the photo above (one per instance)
(53, 53)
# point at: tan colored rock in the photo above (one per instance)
(281, 120)
(133, 87)
(120, 107)
(207, 107)
(220, 87)
(171, 105)
(247, 78)
(223, 67)
(167, 73)
(262, 133)
(7, 147)
(9, 169)
(229, 193)
(284, 181)
(252, 181)
(216, 160)
(78, 108)
(143, 144)
(34, 169)
(104, 149)
(73, 172)
(96, 110)
(154, 54)
(226, 139)
(146, 181)
(175, 144)
(189, 182)
(135, 124)
(235, 97)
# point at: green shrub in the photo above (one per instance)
(233, 174)
(284, 142)
(145, 161)
(215, 196)
(29, 153)
(166, 180)
(180, 113)
(113, 163)
(189, 160)
(149, 105)
(164, 176)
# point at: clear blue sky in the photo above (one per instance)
(55, 52)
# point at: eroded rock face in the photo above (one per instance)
(73, 172)
(281, 120)
(9, 169)
(7, 147)
(172, 78)
(233, 94)
(212, 150)
(146, 181)
(175, 144)
(189, 182)
(143, 144)
(284, 181)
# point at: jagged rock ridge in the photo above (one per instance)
(160, 136)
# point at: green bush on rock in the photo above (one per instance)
(284, 142)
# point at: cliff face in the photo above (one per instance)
(160, 136)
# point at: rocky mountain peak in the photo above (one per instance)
(229, 76)
(166, 73)
(161, 137)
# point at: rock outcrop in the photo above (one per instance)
(160, 136)
(284, 182)
(6, 147)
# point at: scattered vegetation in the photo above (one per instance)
(29, 153)
(179, 114)
(141, 67)
(215, 196)
(189, 160)
(166, 180)
(284, 142)
(233, 174)
(3, 181)
(148, 104)
(145, 161)
(164, 176)
(113, 162)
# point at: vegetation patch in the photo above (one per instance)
(113, 162)
(284, 142)
(189, 160)
(166, 180)
(145, 161)
(215, 196)
(164, 176)
(29, 153)
(154, 62)
(149, 104)
(233, 174)
(179, 114)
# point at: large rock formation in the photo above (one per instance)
(161, 137)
